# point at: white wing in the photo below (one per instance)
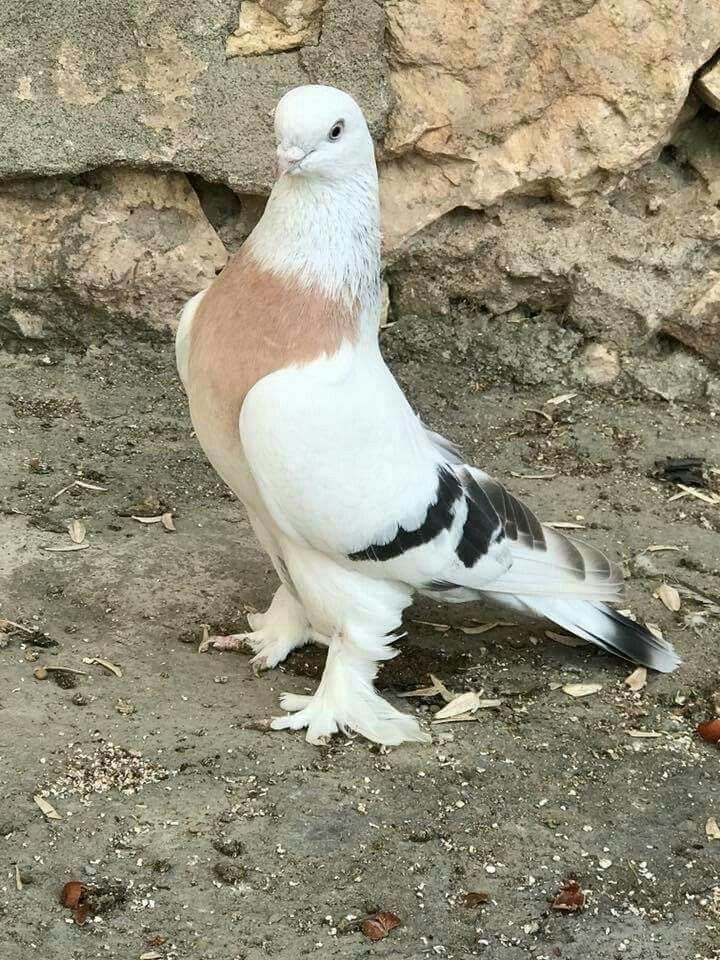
(344, 465)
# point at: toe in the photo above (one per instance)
(293, 702)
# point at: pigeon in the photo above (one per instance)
(358, 504)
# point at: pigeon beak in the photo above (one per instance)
(288, 158)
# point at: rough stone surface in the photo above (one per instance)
(635, 264)
(707, 86)
(115, 81)
(550, 189)
(558, 100)
(271, 26)
(100, 250)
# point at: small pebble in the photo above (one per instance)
(90, 870)
(40, 673)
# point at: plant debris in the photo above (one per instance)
(571, 898)
(476, 898)
(109, 767)
(565, 639)
(77, 531)
(533, 476)
(438, 688)
(378, 927)
(637, 679)
(561, 398)
(47, 808)
(710, 730)
(78, 483)
(669, 596)
(581, 689)
(712, 830)
(158, 519)
(485, 627)
(564, 525)
(685, 470)
(167, 521)
(110, 667)
(67, 547)
(463, 707)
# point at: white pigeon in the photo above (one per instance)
(358, 505)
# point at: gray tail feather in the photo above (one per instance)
(601, 625)
(617, 634)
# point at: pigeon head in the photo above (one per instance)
(321, 132)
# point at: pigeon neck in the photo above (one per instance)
(326, 234)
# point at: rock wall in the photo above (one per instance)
(550, 171)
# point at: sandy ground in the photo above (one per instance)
(203, 837)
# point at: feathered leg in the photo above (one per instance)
(359, 614)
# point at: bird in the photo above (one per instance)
(358, 504)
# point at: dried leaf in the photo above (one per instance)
(158, 519)
(67, 547)
(669, 596)
(461, 718)
(637, 679)
(466, 703)
(710, 730)
(562, 398)
(205, 642)
(167, 521)
(438, 688)
(485, 627)
(5, 625)
(581, 689)
(644, 734)
(541, 413)
(47, 808)
(112, 667)
(566, 641)
(439, 627)
(564, 525)
(76, 529)
(712, 498)
(476, 898)
(712, 830)
(570, 897)
(72, 894)
(533, 476)
(659, 547)
(378, 927)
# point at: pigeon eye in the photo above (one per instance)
(336, 130)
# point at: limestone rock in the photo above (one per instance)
(152, 85)
(699, 327)
(111, 248)
(527, 98)
(707, 86)
(270, 26)
(599, 364)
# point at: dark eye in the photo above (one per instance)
(336, 130)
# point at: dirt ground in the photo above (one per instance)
(203, 837)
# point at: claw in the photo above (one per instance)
(235, 641)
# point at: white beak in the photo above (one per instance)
(288, 157)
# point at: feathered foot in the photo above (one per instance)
(273, 635)
(346, 701)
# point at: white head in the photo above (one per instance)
(321, 133)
